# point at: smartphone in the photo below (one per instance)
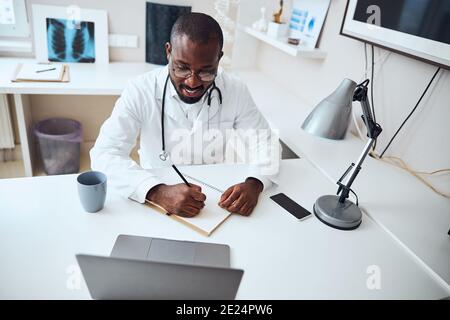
(291, 206)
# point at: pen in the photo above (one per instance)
(181, 176)
(45, 70)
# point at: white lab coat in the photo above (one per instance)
(138, 111)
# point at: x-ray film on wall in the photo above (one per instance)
(70, 36)
(70, 40)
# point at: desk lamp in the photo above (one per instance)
(330, 119)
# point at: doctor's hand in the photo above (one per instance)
(178, 199)
(243, 197)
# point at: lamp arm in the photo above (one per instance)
(367, 117)
(373, 131)
(360, 94)
(345, 188)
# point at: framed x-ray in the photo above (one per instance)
(70, 34)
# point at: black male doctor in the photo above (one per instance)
(188, 95)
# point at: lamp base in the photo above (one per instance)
(342, 216)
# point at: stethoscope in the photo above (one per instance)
(163, 154)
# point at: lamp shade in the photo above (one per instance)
(330, 118)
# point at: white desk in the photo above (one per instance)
(282, 257)
(85, 79)
(407, 210)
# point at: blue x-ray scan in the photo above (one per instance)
(70, 41)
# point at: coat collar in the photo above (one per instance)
(160, 81)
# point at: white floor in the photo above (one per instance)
(85, 165)
(11, 169)
(15, 169)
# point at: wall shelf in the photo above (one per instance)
(281, 44)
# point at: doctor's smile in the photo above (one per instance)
(193, 93)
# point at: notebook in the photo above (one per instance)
(210, 217)
(41, 72)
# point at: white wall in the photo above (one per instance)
(126, 17)
(425, 141)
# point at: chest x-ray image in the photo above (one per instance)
(70, 41)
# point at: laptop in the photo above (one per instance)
(154, 268)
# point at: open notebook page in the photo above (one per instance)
(211, 216)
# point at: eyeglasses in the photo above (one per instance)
(185, 73)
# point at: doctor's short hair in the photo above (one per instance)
(199, 27)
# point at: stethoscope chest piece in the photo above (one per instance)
(163, 155)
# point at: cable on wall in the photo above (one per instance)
(411, 113)
(396, 161)
(372, 93)
(366, 61)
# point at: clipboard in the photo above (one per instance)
(209, 218)
(65, 77)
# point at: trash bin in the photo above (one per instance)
(59, 142)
